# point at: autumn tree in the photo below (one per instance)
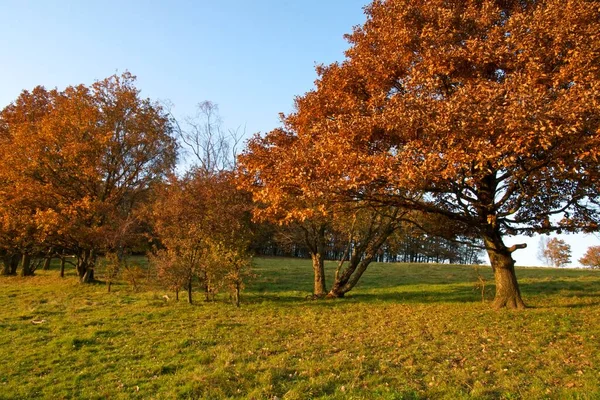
(264, 169)
(591, 258)
(558, 252)
(542, 253)
(85, 158)
(486, 113)
(276, 172)
(201, 229)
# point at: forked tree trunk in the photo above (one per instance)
(360, 260)
(346, 281)
(508, 294)
(85, 266)
(88, 277)
(318, 265)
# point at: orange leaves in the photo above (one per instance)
(443, 98)
(81, 157)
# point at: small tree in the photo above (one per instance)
(235, 266)
(112, 266)
(189, 216)
(542, 246)
(169, 271)
(591, 258)
(558, 252)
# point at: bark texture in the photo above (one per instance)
(508, 294)
(85, 266)
(362, 256)
(318, 265)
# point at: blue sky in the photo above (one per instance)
(249, 57)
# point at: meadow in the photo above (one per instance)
(407, 331)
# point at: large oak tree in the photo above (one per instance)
(484, 112)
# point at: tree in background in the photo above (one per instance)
(542, 246)
(591, 258)
(213, 148)
(84, 159)
(558, 252)
(486, 113)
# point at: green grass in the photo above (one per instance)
(406, 332)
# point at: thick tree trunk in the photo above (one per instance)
(508, 294)
(26, 265)
(318, 264)
(85, 266)
(350, 277)
(88, 276)
(14, 264)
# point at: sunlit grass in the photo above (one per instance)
(407, 331)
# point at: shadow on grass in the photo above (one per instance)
(464, 292)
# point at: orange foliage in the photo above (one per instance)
(486, 113)
(78, 161)
(201, 223)
(591, 258)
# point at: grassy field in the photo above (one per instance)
(406, 332)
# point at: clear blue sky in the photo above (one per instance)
(251, 57)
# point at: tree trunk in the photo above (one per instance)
(5, 265)
(359, 261)
(318, 264)
(47, 262)
(14, 264)
(236, 295)
(26, 265)
(508, 294)
(189, 291)
(10, 264)
(62, 267)
(88, 276)
(85, 266)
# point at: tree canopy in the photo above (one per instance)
(486, 113)
(79, 161)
